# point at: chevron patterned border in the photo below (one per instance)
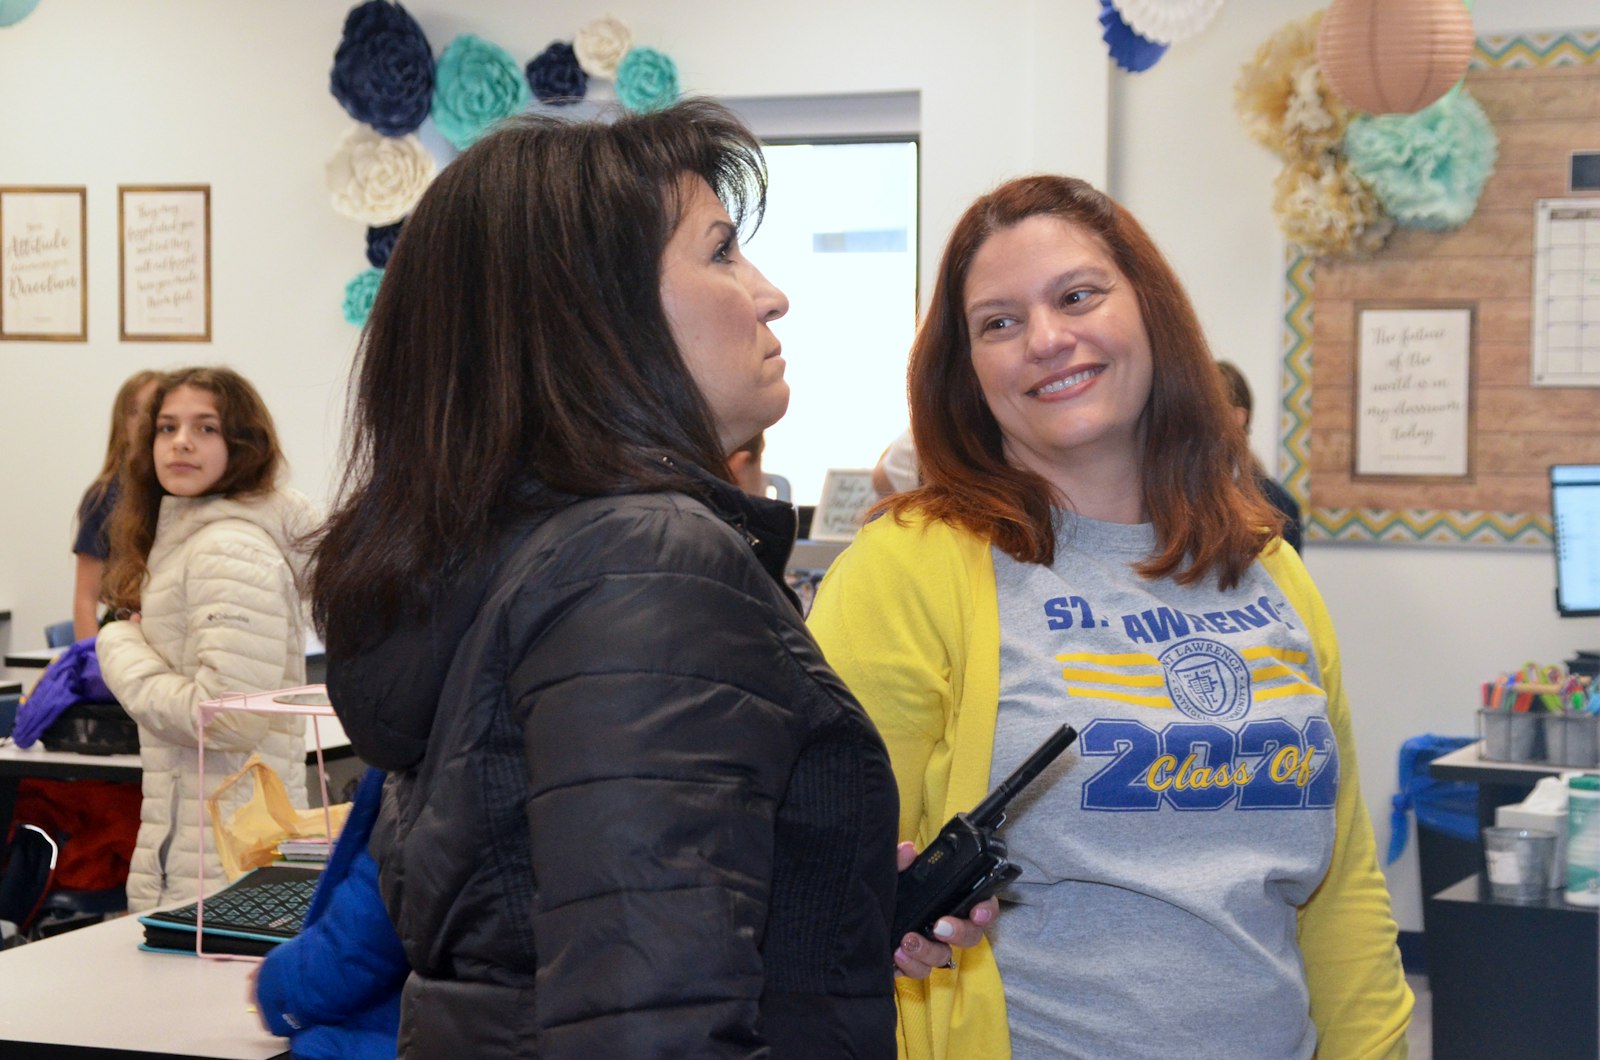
(1410, 525)
(1535, 50)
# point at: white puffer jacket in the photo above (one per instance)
(220, 613)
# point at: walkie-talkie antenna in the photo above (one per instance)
(992, 810)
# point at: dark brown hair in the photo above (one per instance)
(518, 335)
(1208, 517)
(1238, 389)
(254, 464)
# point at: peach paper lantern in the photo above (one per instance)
(1394, 56)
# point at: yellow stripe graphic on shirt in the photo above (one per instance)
(1127, 660)
(1279, 663)
(1268, 665)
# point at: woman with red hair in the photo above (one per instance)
(1088, 546)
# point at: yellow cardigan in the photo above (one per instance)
(909, 617)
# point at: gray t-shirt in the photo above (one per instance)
(1164, 854)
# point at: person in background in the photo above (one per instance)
(633, 811)
(334, 989)
(1243, 403)
(91, 545)
(744, 464)
(206, 549)
(1088, 546)
(896, 469)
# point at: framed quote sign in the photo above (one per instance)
(1413, 398)
(846, 496)
(43, 265)
(165, 262)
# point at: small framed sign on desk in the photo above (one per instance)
(846, 496)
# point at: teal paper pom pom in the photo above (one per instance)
(359, 294)
(475, 85)
(646, 80)
(14, 11)
(1427, 168)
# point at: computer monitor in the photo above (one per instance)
(1575, 515)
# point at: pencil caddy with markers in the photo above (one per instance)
(1541, 714)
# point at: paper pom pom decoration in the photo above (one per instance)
(383, 69)
(1394, 56)
(1130, 51)
(359, 295)
(380, 244)
(14, 11)
(377, 179)
(1323, 209)
(1427, 168)
(477, 83)
(1281, 97)
(1167, 21)
(555, 76)
(646, 80)
(601, 45)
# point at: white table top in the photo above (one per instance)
(95, 989)
(36, 761)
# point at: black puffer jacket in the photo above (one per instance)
(633, 813)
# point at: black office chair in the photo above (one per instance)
(59, 634)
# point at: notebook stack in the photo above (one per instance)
(248, 917)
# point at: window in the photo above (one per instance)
(840, 239)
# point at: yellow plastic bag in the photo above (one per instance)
(248, 838)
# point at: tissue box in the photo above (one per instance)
(1519, 816)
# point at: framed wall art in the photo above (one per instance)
(43, 265)
(1413, 391)
(164, 265)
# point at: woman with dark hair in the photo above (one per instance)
(205, 560)
(1087, 546)
(631, 810)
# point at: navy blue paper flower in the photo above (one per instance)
(380, 244)
(1132, 52)
(555, 76)
(383, 70)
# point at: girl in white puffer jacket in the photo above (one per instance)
(205, 562)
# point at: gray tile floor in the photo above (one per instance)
(1420, 1037)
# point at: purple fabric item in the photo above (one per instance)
(72, 678)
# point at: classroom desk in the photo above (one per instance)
(94, 993)
(35, 761)
(1512, 980)
(39, 658)
(32, 659)
(1499, 783)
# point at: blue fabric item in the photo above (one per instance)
(73, 677)
(334, 989)
(1446, 806)
(1132, 52)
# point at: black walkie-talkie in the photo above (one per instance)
(967, 863)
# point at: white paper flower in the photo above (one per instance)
(601, 45)
(1167, 21)
(377, 179)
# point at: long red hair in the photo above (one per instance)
(1209, 515)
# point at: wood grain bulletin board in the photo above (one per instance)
(1543, 96)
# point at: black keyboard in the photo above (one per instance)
(250, 916)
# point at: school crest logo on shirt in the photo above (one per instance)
(1207, 681)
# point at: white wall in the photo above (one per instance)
(102, 92)
(1419, 626)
